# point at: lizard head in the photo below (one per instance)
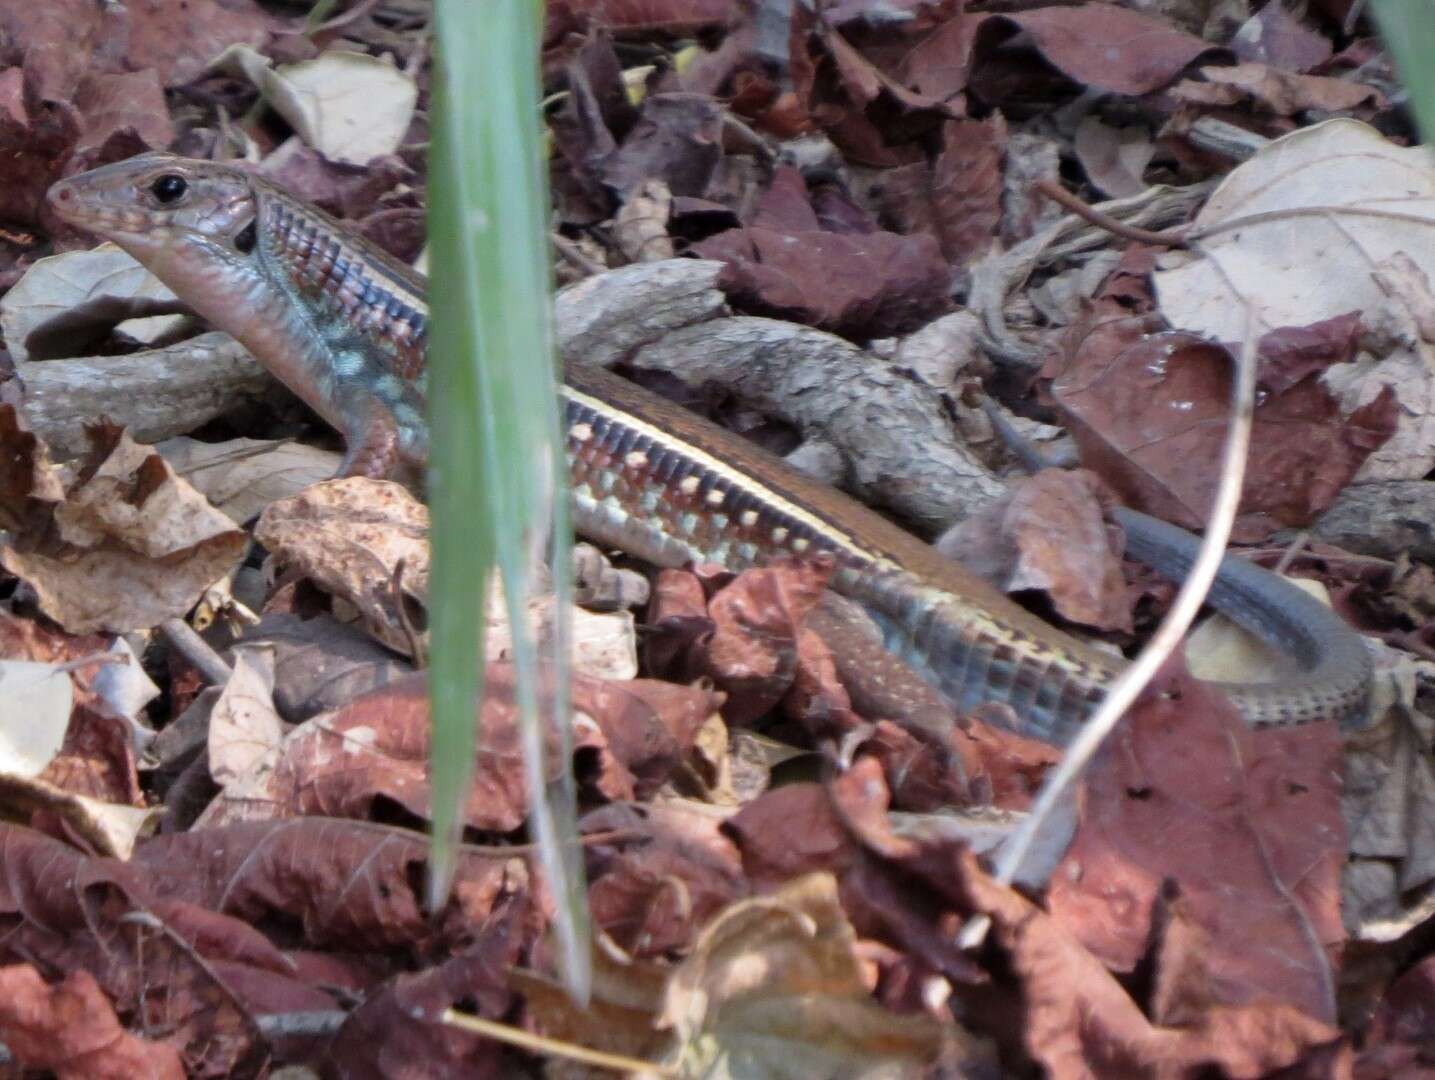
(158, 202)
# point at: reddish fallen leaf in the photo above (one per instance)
(871, 115)
(789, 831)
(836, 211)
(667, 869)
(586, 130)
(155, 958)
(1050, 536)
(1244, 826)
(338, 189)
(97, 759)
(345, 884)
(376, 750)
(1010, 767)
(397, 1030)
(1098, 45)
(744, 637)
(34, 140)
(71, 1030)
(678, 620)
(757, 620)
(133, 100)
(862, 285)
(1401, 1035)
(898, 889)
(1074, 1019)
(151, 31)
(681, 18)
(958, 197)
(1274, 36)
(33, 32)
(677, 139)
(1292, 353)
(1149, 412)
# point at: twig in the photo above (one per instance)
(1027, 455)
(1058, 194)
(310, 1024)
(182, 638)
(1263, 216)
(401, 612)
(1164, 642)
(746, 138)
(94, 658)
(1352, 17)
(1292, 551)
(570, 251)
(553, 1047)
(344, 18)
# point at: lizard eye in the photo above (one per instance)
(169, 187)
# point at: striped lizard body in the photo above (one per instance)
(342, 324)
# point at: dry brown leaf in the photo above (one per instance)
(243, 476)
(401, 1022)
(875, 118)
(1114, 158)
(1318, 211)
(321, 663)
(348, 536)
(344, 884)
(640, 227)
(745, 638)
(677, 140)
(137, 544)
(244, 727)
(1281, 92)
(1274, 36)
(774, 987)
(214, 972)
(1389, 784)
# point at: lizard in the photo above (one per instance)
(343, 325)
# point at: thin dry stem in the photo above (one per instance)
(1168, 635)
(1058, 194)
(552, 1047)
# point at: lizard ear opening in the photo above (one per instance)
(244, 240)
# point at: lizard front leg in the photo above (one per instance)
(372, 446)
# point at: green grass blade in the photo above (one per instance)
(1408, 27)
(319, 12)
(498, 468)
